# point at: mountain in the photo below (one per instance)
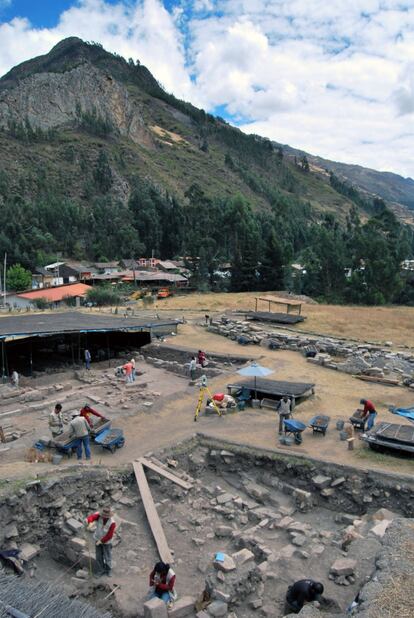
(393, 188)
(81, 98)
(98, 161)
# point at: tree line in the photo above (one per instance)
(228, 244)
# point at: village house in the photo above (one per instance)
(55, 296)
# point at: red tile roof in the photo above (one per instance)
(57, 293)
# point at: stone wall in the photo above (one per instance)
(40, 510)
(338, 354)
(176, 359)
(312, 481)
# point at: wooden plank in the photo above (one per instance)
(168, 475)
(378, 380)
(152, 515)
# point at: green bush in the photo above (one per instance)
(41, 303)
(103, 295)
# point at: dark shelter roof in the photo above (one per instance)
(276, 388)
(72, 322)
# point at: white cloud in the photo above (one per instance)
(335, 78)
(143, 30)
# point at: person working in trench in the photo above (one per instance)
(162, 582)
(103, 535)
(301, 592)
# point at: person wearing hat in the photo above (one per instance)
(103, 535)
(79, 428)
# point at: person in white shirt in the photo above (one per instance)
(284, 409)
(56, 421)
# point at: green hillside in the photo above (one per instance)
(97, 161)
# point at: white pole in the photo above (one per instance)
(4, 279)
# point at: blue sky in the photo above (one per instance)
(335, 78)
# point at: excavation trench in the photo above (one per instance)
(277, 517)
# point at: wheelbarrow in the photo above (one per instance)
(294, 428)
(65, 444)
(358, 420)
(111, 439)
(319, 424)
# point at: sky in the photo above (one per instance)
(332, 77)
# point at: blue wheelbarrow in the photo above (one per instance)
(294, 428)
(319, 423)
(110, 439)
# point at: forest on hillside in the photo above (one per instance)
(259, 245)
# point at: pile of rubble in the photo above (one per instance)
(347, 356)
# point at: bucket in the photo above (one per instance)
(343, 435)
(282, 439)
(340, 425)
(289, 440)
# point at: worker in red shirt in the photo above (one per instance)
(103, 534)
(87, 411)
(369, 413)
(162, 581)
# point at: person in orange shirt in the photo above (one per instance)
(128, 367)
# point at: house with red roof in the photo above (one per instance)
(55, 296)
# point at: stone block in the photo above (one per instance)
(299, 540)
(343, 566)
(318, 549)
(74, 524)
(28, 551)
(380, 528)
(184, 606)
(11, 532)
(225, 565)
(155, 608)
(242, 556)
(217, 609)
(285, 522)
(224, 498)
(256, 491)
(327, 492)
(320, 481)
(223, 531)
(384, 514)
(338, 481)
(77, 543)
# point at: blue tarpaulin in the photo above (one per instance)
(405, 412)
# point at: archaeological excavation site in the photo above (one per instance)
(238, 512)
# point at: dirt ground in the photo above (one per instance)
(377, 324)
(170, 419)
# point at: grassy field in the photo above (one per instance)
(377, 324)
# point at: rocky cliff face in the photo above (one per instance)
(67, 96)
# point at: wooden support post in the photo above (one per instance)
(152, 515)
(171, 477)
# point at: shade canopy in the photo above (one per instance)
(255, 371)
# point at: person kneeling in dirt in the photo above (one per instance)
(162, 582)
(303, 591)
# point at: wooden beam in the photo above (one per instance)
(168, 475)
(152, 515)
(379, 380)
